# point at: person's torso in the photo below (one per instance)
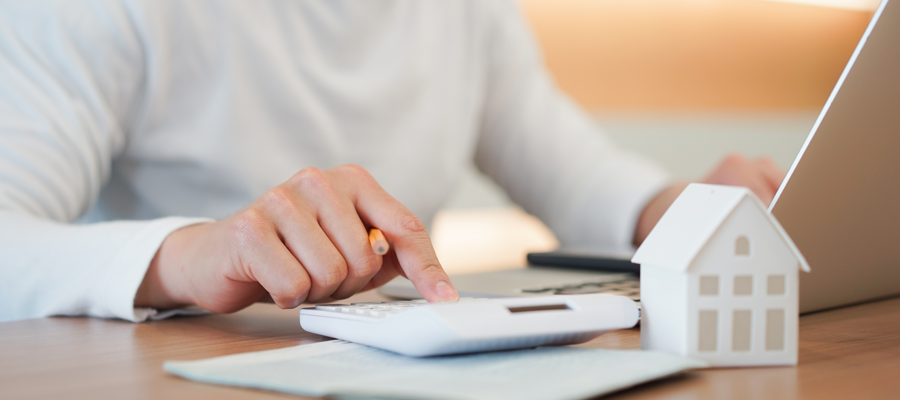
(241, 95)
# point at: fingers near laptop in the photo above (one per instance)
(771, 172)
(760, 175)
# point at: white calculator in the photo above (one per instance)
(418, 328)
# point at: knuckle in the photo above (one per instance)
(278, 197)
(249, 227)
(411, 223)
(432, 269)
(310, 178)
(354, 170)
(297, 288)
(734, 158)
(365, 267)
(332, 275)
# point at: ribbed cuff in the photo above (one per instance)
(128, 267)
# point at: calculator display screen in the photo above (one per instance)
(549, 307)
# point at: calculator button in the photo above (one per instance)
(330, 307)
(381, 313)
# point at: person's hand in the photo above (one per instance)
(761, 176)
(305, 240)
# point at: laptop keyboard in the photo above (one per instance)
(629, 288)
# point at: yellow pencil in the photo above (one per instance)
(379, 244)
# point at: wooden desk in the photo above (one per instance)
(847, 353)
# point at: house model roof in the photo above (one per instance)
(692, 220)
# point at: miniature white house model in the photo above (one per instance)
(719, 281)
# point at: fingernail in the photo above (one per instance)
(446, 293)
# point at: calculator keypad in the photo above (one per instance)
(628, 288)
(378, 310)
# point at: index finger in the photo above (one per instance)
(408, 239)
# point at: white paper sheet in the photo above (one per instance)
(347, 370)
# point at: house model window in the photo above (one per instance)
(709, 285)
(742, 246)
(775, 285)
(708, 330)
(742, 326)
(774, 329)
(743, 285)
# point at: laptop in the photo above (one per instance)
(840, 202)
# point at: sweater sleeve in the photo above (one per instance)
(70, 77)
(548, 155)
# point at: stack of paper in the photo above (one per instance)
(346, 370)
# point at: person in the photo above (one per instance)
(159, 154)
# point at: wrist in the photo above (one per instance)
(166, 283)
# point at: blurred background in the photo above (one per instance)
(683, 82)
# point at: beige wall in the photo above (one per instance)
(695, 54)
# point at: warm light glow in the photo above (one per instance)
(864, 5)
(698, 54)
(479, 240)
